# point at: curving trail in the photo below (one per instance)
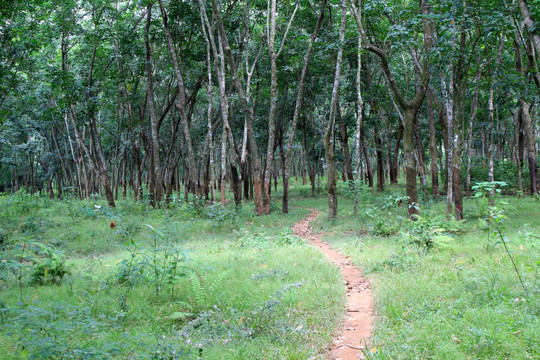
(358, 326)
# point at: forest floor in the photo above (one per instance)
(357, 329)
(191, 281)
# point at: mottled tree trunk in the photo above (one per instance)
(531, 149)
(154, 128)
(410, 162)
(329, 137)
(434, 167)
(379, 156)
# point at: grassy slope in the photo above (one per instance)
(459, 300)
(265, 305)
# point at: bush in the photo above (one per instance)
(51, 268)
(425, 230)
(382, 228)
(505, 171)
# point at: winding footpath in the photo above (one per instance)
(358, 326)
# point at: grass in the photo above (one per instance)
(459, 300)
(252, 290)
(249, 289)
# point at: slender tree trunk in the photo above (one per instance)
(531, 146)
(345, 145)
(157, 195)
(273, 107)
(517, 154)
(180, 105)
(223, 166)
(379, 156)
(359, 108)
(434, 167)
(491, 109)
(247, 104)
(329, 137)
(297, 108)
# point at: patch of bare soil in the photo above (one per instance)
(358, 326)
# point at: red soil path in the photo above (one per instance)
(358, 325)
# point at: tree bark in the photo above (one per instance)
(157, 195)
(531, 146)
(410, 107)
(247, 104)
(434, 167)
(329, 137)
(297, 108)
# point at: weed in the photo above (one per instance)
(201, 293)
(382, 228)
(497, 218)
(51, 267)
(164, 261)
(218, 214)
(424, 231)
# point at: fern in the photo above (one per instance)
(202, 294)
(199, 294)
(216, 284)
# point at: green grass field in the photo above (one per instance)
(195, 281)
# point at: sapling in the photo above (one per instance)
(498, 217)
(487, 191)
(128, 272)
(154, 259)
(24, 256)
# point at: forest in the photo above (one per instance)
(263, 179)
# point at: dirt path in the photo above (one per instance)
(358, 325)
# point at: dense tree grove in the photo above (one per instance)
(149, 98)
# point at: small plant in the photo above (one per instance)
(426, 230)
(153, 258)
(488, 190)
(219, 214)
(51, 268)
(174, 268)
(201, 294)
(129, 271)
(194, 207)
(25, 257)
(164, 260)
(498, 218)
(288, 238)
(393, 201)
(382, 228)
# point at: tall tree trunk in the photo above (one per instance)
(345, 145)
(223, 178)
(329, 137)
(410, 162)
(474, 110)
(180, 105)
(273, 107)
(297, 108)
(357, 12)
(379, 156)
(410, 107)
(247, 104)
(157, 195)
(531, 146)
(434, 167)
(517, 154)
(531, 25)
